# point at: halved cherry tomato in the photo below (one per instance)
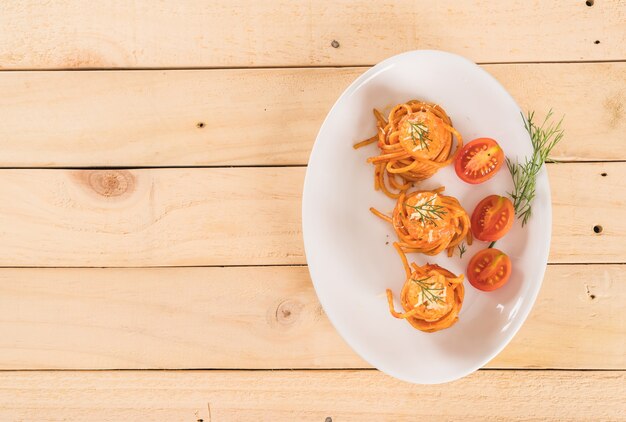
(492, 218)
(489, 269)
(479, 160)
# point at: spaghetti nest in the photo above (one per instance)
(415, 142)
(431, 296)
(428, 222)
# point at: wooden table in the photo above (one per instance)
(135, 139)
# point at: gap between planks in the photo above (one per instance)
(246, 166)
(355, 368)
(549, 264)
(278, 67)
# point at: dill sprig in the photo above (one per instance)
(428, 290)
(544, 138)
(462, 249)
(428, 211)
(419, 132)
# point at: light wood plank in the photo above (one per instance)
(283, 396)
(582, 94)
(238, 317)
(577, 317)
(75, 34)
(585, 196)
(156, 217)
(263, 317)
(237, 216)
(189, 118)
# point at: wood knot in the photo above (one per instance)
(288, 311)
(111, 183)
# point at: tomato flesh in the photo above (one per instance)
(479, 160)
(489, 269)
(492, 218)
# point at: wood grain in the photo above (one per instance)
(586, 196)
(192, 118)
(308, 396)
(262, 317)
(74, 34)
(237, 216)
(233, 102)
(158, 217)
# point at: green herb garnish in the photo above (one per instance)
(544, 138)
(462, 250)
(428, 211)
(428, 290)
(419, 133)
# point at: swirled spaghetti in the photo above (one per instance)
(428, 222)
(431, 296)
(414, 142)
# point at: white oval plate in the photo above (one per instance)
(351, 263)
